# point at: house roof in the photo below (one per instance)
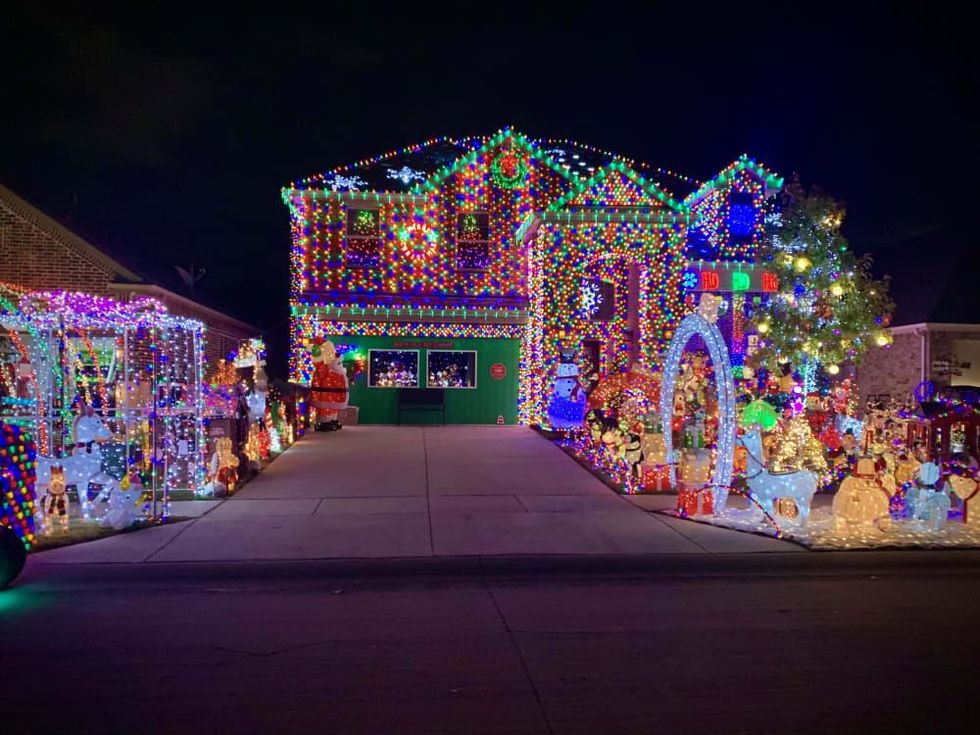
(48, 224)
(742, 163)
(155, 281)
(411, 168)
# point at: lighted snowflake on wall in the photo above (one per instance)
(590, 297)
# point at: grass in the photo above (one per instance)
(81, 531)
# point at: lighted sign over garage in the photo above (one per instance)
(729, 277)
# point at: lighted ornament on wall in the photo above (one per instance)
(417, 241)
(510, 169)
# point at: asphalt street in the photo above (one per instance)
(748, 643)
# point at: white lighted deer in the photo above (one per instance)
(83, 467)
(766, 487)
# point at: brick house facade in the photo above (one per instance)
(946, 354)
(37, 252)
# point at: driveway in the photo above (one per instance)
(400, 492)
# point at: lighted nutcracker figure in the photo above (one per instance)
(328, 387)
(24, 373)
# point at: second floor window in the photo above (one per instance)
(472, 241)
(363, 237)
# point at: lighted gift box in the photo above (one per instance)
(656, 478)
(694, 500)
(695, 466)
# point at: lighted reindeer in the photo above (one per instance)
(83, 467)
(798, 485)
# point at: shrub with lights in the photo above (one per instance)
(18, 455)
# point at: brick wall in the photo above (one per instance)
(32, 258)
(895, 370)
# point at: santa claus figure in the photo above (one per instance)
(329, 384)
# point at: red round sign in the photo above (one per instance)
(498, 371)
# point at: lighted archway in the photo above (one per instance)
(691, 325)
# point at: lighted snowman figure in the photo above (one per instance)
(929, 503)
(862, 499)
(567, 407)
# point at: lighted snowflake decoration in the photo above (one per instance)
(690, 280)
(590, 298)
(339, 182)
(406, 175)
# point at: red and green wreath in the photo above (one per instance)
(509, 170)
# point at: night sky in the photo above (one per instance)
(164, 136)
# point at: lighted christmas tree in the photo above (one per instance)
(828, 309)
(796, 448)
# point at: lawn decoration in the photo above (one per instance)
(862, 498)
(84, 466)
(766, 487)
(125, 503)
(567, 406)
(929, 503)
(55, 504)
(329, 386)
(224, 468)
(691, 325)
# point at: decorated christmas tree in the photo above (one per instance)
(828, 309)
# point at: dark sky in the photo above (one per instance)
(164, 135)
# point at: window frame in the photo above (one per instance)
(485, 243)
(476, 371)
(350, 238)
(418, 371)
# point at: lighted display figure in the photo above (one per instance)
(798, 486)
(329, 385)
(700, 324)
(84, 466)
(862, 499)
(967, 489)
(223, 475)
(567, 407)
(125, 503)
(929, 503)
(55, 505)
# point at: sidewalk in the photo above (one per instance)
(371, 492)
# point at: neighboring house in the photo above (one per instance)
(946, 355)
(38, 252)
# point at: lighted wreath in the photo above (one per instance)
(509, 170)
(417, 241)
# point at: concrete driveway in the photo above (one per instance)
(383, 492)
